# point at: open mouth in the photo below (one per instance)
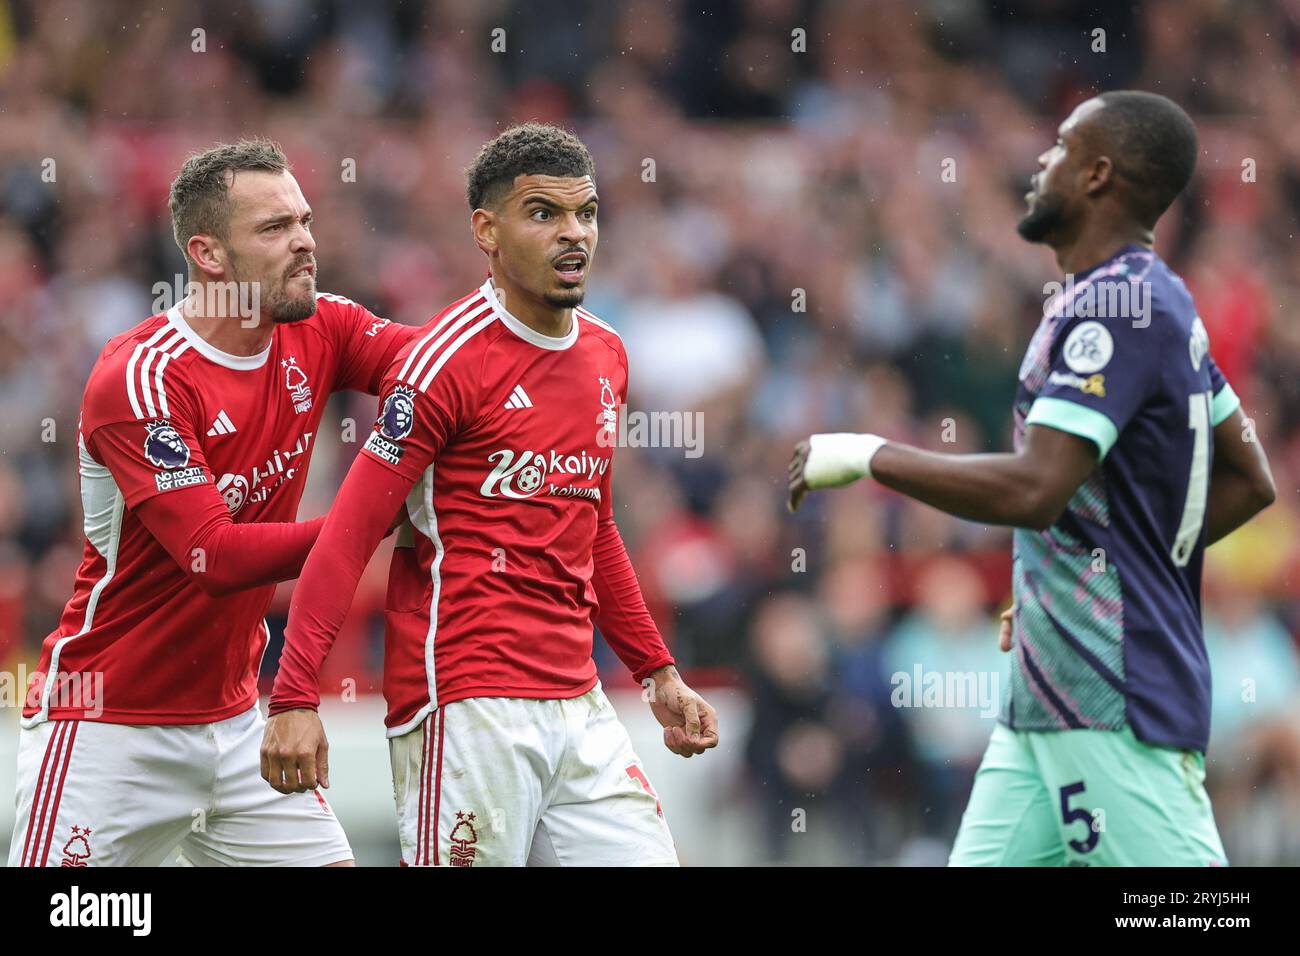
(306, 271)
(571, 266)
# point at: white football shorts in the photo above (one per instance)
(99, 794)
(506, 781)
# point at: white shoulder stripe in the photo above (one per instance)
(130, 368)
(158, 376)
(130, 382)
(137, 372)
(158, 385)
(150, 356)
(411, 356)
(145, 395)
(601, 322)
(432, 348)
(415, 363)
(451, 349)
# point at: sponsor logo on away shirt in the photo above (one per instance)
(1092, 385)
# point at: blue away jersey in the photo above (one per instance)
(1108, 599)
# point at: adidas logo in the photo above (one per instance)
(519, 399)
(221, 425)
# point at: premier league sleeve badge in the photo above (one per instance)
(396, 419)
(164, 447)
(398, 416)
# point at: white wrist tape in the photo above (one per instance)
(838, 458)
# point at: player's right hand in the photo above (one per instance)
(295, 753)
(1004, 629)
(829, 460)
(796, 484)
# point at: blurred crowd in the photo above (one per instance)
(782, 253)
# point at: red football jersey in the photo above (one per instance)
(508, 435)
(163, 409)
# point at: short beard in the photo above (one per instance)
(566, 298)
(281, 309)
(1047, 217)
(284, 310)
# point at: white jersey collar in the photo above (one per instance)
(240, 363)
(525, 332)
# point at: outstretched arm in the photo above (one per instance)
(1028, 489)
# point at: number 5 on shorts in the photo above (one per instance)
(1078, 815)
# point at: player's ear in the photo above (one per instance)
(208, 256)
(1101, 176)
(483, 226)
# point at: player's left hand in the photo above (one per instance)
(295, 752)
(1005, 636)
(690, 724)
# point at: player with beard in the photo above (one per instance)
(141, 727)
(1131, 455)
(497, 429)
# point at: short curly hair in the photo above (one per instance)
(1153, 144)
(200, 194)
(523, 150)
